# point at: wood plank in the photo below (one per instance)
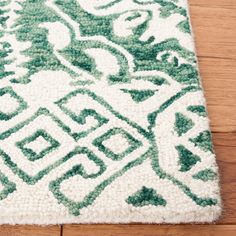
(225, 148)
(218, 78)
(214, 26)
(214, 30)
(220, 91)
(149, 230)
(6, 230)
(222, 118)
(214, 3)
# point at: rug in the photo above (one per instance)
(102, 114)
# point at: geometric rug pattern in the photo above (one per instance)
(102, 115)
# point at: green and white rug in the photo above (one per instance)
(102, 115)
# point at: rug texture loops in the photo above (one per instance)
(102, 114)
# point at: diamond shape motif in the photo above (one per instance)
(25, 169)
(123, 145)
(33, 155)
(14, 98)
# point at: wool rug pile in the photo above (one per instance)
(102, 114)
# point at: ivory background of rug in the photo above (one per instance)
(53, 85)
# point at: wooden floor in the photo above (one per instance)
(214, 24)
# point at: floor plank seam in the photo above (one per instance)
(221, 58)
(227, 7)
(61, 230)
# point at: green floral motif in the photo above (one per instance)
(205, 175)
(156, 80)
(8, 186)
(186, 158)
(203, 141)
(139, 95)
(5, 47)
(32, 13)
(146, 196)
(182, 124)
(4, 61)
(200, 110)
(144, 52)
(184, 26)
(4, 13)
(167, 7)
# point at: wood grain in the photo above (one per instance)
(225, 148)
(214, 25)
(219, 83)
(214, 30)
(214, 3)
(6, 230)
(149, 230)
